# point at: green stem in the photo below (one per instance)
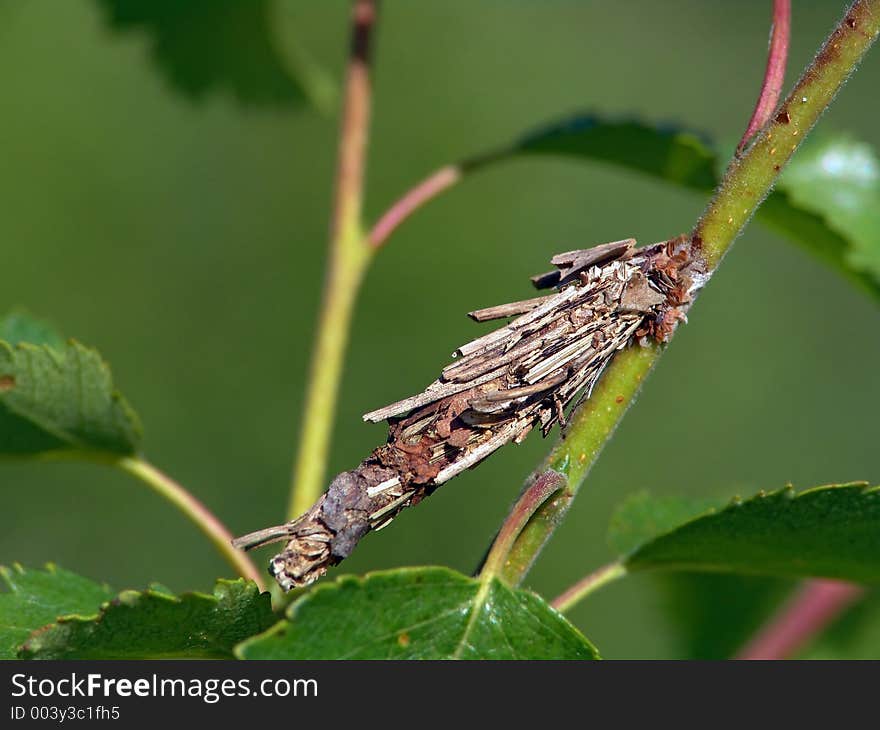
(530, 501)
(349, 256)
(194, 510)
(585, 586)
(590, 428)
(348, 263)
(748, 180)
(746, 183)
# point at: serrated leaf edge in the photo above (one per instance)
(737, 502)
(59, 357)
(359, 581)
(131, 598)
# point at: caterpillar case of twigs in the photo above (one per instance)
(528, 373)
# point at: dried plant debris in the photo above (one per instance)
(530, 372)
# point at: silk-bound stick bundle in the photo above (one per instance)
(528, 373)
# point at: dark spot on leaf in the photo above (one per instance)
(7, 383)
(619, 399)
(851, 22)
(783, 117)
(403, 640)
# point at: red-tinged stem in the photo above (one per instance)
(354, 130)
(194, 510)
(774, 74)
(807, 613)
(745, 184)
(349, 257)
(585, 586)
(534, 496)
(413, 199)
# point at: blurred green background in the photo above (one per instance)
(185, 240)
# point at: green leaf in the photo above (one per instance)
(59, 400)
(419, 613)
(643, 516)
(827, 201)
(668, 153)
(34, 598)
(155, 625)
(831, 531)
(17, 327)
(202, 45)
(811, 231)
(838, 178)
(712, 615)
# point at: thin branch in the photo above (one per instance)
(354, 130)
(749, 179)
(412, 200)
(349, 257)
(585, 586)
(589, 429)
(196, 512)
(536, 494)
(429, 188)
(774, 74)
(745, 185)
(809, 612)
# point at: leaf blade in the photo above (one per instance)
(829, 531)
(838, 178)
(642, 516)
(33, 599)
(665, 152)
(61, 399)
(203, 45)
(712, 615)
(418, 613)
(154, 624)
(18, 326)
(840, 229)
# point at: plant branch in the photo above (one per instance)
(807, 613)
(429, 188)
(195, 511)
(748, 180)
(412, 200)
(774, 74)
(348, 258)
(535, 495)
(573, 455)
(585, 586)
(745, 185)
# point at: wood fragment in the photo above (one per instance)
(532, 371)
(571, 264)
(437, 390)
(507, 310)
(580, 258)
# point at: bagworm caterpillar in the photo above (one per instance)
(530, 372)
